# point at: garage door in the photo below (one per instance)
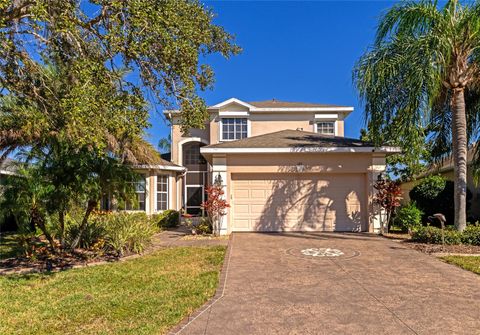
(292, 202)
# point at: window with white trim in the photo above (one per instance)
(138, 203)
(234, 128)
(326, 128)
(162, 192)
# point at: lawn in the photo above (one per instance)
(146, 295)
(470, 263)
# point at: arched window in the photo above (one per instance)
(196, 177)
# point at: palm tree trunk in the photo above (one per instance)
(90, 207)
(460, 148)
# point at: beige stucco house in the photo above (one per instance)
(285, 166)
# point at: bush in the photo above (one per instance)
(167, 219)
(471, 234)
(126, 232)
(434, 195)
(94, 233)
(409, 217)
(433, 235)
(204, 226)
(119, 233)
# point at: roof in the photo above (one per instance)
(288, 104)
(8, 166)
(273, 105)
(295, 141)
(160, 164)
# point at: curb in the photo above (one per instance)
(219, 293)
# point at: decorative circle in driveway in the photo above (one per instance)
(322, 252)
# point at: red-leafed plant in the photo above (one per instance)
(388, 197)
(215, 206)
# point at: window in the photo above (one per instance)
(234, 129)
(192, 154)
(326, 128)
(162, 192)
(138, 204)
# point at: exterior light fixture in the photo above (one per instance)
(218, 180)
(300, 167)
(381, 177)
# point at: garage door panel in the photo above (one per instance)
(317, 202)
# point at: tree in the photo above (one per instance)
(409, 163)
(75, 77)
(388, 197)
(215, 206)
(165, 144)
(150, 48)
(421, 71)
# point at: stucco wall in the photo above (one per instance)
(365, 164)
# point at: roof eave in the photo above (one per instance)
(385, 149)
(176, 168)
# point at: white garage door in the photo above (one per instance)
(293, 202)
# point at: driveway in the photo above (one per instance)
(281, 284)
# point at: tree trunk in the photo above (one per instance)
(460, 148)
(61, 219)
(90, 207)
(37, 219)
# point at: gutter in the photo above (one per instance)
(385, 150)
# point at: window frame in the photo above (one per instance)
(221, 133)
(166, 192)
(334, 122)
(143, 177)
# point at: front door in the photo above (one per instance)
(194, 198)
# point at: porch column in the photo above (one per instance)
(376, 214)
(219, 168)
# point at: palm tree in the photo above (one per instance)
(421, 73)
(164, 144)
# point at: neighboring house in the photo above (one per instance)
(8, 167)
(446, 170)
(285, 166)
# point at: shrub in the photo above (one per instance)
(471, 234)
(94, 233)
(433, 195)
(433, 235)
(167, 219)
(409, 217)
(126, 232)
(204, 226)
(119, 233)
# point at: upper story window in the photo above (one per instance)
(191, 155)
(326, 128)
(234, 129)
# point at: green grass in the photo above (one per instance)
(9, 247)
(470, 263)
(147, 295)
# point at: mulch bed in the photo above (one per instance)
(447, 249)
(48, 262)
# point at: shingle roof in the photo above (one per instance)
(287, 104)
(292, 139)
(8, 166)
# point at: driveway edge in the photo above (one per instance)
(222, 279)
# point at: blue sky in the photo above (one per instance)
(293, 51)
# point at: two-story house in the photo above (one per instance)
(285, 166)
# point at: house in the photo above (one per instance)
(284, 166)
(445, 169)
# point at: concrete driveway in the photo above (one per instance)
(283, 284)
